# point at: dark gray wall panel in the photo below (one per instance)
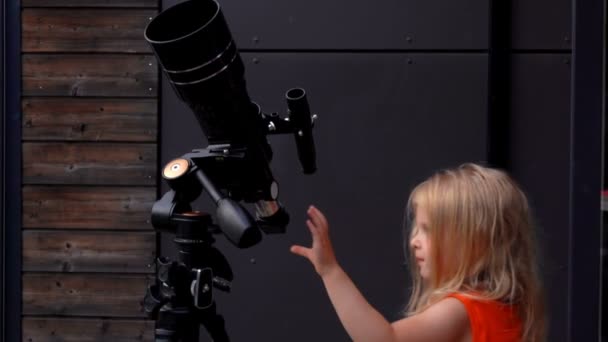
(542, 24)
(540, 151)
(386, 122)
(347, 24)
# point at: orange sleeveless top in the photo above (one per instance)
(491, 320)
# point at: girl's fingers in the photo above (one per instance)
(320, 217)
(313, 229)
(313, 213)
(319, 235)
(317, 217)
(301, 251)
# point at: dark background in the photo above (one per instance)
(402, 88)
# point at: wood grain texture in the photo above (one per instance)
(77, 119)
(89, 163)
(104, 75)
(85, 30)
(95, 295)
(90, 114)
(68, 251)
(51, 329)
(91, 3)
(66, 207)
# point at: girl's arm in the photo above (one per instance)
(445, 321)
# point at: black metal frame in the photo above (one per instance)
(586, 170)
(2, 178)
(499, 83)
(10, 187)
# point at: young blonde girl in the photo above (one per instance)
(472, 261)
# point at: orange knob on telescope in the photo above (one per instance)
(176, 168)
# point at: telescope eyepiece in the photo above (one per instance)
(299, 115)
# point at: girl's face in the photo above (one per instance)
(420, 243)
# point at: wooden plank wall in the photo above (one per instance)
(90, 86)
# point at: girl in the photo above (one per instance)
(472, 262)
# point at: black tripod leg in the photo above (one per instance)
(176, 325)
(189, 329)
(166, 326)
(214, 323)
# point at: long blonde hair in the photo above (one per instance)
(481, 243)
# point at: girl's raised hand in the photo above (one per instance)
(321, 254)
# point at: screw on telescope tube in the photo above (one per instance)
(271, 126)
(300, 133)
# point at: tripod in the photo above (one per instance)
(182, 298)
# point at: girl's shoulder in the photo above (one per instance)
(490, 320)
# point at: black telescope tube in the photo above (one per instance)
(188, 34)
(194, 46)
(299, 115)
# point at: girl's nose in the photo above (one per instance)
(414, 242)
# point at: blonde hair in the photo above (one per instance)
(481, 243)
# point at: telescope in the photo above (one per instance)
(198, 56)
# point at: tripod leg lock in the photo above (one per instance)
(202, 288)
(153, 301)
